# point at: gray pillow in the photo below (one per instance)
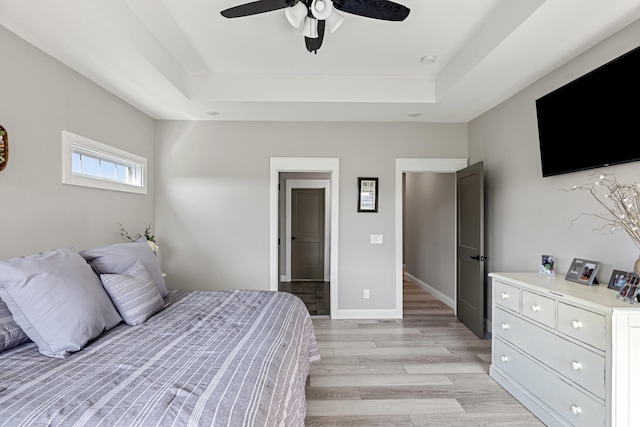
(117, 258)
(57, 300)
(11, 335)
(133, 293)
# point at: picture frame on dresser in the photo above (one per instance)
(629, 291)
(583, 271)
(617, 280)
(547, 265)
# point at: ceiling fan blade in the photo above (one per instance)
(376, 9)
(253, 8)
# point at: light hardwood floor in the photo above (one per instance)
(427, 369)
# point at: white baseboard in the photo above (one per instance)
(433, 291)
(367, 314)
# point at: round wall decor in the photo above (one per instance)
(4, 148)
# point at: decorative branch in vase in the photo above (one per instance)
(151, 239)
(622, 202)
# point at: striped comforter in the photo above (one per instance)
(210, 358)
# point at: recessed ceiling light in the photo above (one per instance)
(213, 113)
(414, 114)
(429, 59)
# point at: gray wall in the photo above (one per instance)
(213, 198)
(528, 215)
(40, 97)
(429, 232)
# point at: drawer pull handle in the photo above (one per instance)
(576, 324)
(504, 358)
(576, 365)
(535, 307)
(505, 325)
(505, 295)
(575, 410)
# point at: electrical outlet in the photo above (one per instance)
(365, 294)
(376, 239)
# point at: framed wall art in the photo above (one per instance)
(583, 271)
(367, 194)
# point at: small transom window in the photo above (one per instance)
(93, 164)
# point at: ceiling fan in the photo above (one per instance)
(314, 16)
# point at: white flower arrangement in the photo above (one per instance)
(151, 239)
(622, 202)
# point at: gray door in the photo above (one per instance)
(307, 234)
(470, 301)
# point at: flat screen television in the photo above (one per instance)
(594, 121)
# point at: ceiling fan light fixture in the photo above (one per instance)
(310, 28)
(313, 16)
(334, 20)
(296, 14)
(321, 9)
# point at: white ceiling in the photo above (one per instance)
(180, 59)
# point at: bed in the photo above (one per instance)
(204, 358)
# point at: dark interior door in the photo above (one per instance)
(470, 289)
(307, 234)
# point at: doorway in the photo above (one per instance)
(429, 233)
(306, 166)
(307, 229)
(417, 165)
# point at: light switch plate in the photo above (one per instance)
(376, 239)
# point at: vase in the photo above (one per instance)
(636, 267)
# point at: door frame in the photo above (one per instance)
(417, 165)
(297, 184)
(304, 164)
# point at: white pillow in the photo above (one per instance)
(57, 300)
(133, 293)
(118, 257)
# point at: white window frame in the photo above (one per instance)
(75, 143)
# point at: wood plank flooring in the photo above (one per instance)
(315, 295)
(427, 369)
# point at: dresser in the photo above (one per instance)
(568, 352)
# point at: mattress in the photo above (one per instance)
(210, 358)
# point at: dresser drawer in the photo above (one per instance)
(583, 325)
(576, 363)
(574, 406)
(506, 295)
(539, 308)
